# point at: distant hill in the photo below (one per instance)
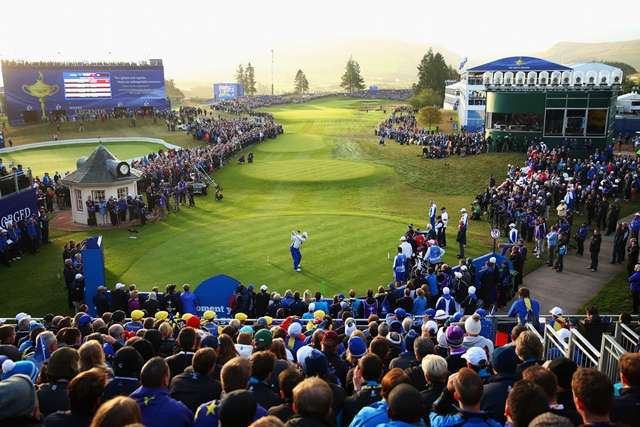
(387, 64)
(571, 53)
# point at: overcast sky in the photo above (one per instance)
(196, 36)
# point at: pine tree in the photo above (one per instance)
(351, 79)
(241, 77)
(433, 71)
(250, 80)
(300, 83)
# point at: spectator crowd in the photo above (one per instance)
(403, 128)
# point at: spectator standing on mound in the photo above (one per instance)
(594, 250)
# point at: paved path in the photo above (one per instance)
(576, 285)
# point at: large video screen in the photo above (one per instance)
(42, 91)
(226, 91)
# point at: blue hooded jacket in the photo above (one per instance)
(372, 415)
(160, 410)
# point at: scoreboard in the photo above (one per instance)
(78, 85)
(35, 93)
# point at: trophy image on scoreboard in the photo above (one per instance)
(41, 90)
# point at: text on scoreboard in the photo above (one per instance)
(87, 85)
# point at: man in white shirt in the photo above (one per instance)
(445, 221)
(297, 240)
(407, 249)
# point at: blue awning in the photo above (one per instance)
(519, 63)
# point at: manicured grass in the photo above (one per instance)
(614, 297)
(326, 174)
(63, 158)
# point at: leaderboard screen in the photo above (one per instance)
(80, 85)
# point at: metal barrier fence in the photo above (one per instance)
(626, 337)
(609, 362)
(553, 345)
(581, 351)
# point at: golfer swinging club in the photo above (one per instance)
(297, 240)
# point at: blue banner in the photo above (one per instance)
(92, 270)
(46, 90)
(226, 91)
(214, 294)
(18, 206)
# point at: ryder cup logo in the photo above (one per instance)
(15, 217)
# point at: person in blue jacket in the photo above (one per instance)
(525, 308)
(634, 287)
(405, 407)
(158, 409)
(377, 413)
(464, 387)
(189, 300)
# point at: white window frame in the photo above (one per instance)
(79, 202)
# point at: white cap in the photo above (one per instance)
(556, 311)
(475, 355)
(441, 315)
(430, 325)
(403, 239)
(263, 288)
(493, 260)
(120, 286)
(463, 268)
(564, 334)
(512, 225)
(457, 275)
(312, 307)
(78, 276)
(446, 290)
(463, 210)
(472, 290)
(21, 316)
(305, 234)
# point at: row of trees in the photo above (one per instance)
(247, 78)
(433, 71)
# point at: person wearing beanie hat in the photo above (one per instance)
(407, 357)
(126, 365)
(446, 302)
(316, 364)
(194, 322)
(473, 327)
(294, 339)
(24, 367)
(161, 315)
(209, 324)
(135, 324)
(496, 389)
(241, 317)
(349, 327)
(18, 403)
(62, 367)
(454, 336)
(357, 347)
(470, 303)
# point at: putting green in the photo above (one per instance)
(311, 170)
(62, 158)
(293, 143)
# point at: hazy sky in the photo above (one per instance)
(198, 38)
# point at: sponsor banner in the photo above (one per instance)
(18, 206)
(214, 294)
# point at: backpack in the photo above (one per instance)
(563, 250)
